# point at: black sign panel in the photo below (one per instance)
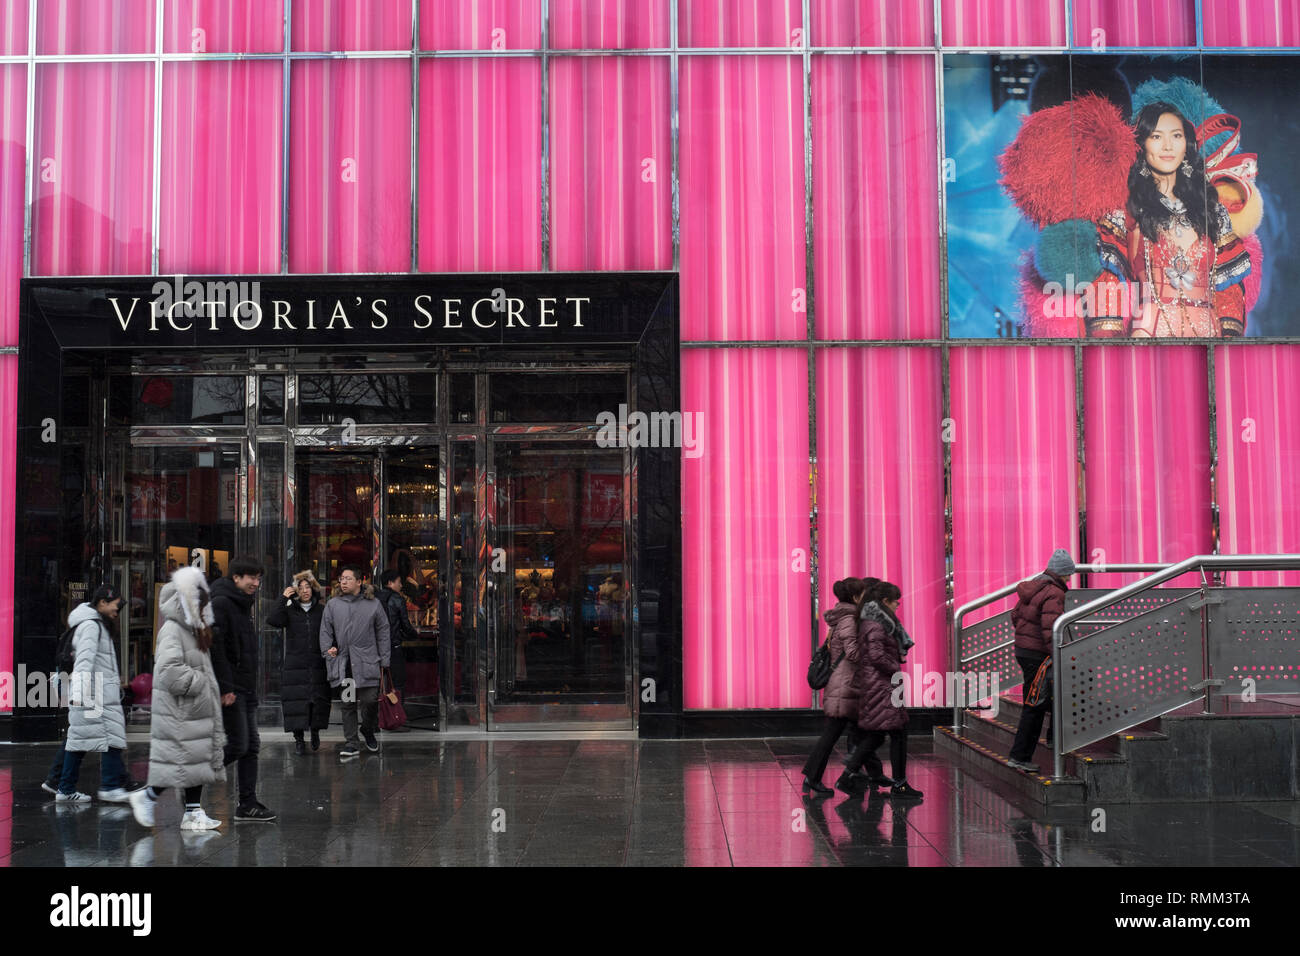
(372, 311)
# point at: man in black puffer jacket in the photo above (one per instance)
(234, 660)
(1040, 601)
(399, 625)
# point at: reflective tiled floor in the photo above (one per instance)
(427, 801)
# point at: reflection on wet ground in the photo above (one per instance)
(426, 801)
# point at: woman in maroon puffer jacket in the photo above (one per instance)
(840, 704)
(882, 646)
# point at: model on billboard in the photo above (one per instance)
(1144, 229)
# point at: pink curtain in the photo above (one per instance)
(350, 166)
(13, 29)
(872, 23)
(481, 25)
(1259, 455)
(13, 158)
(224, 26)
(93, 169)
(725, 23)
(880, 483)
(220, 206)
(611, 164)
(354, 24)
(876, 208)
(1135, 22)
(609, 24)
(1003, 23)
(480, 165)
(8, 511)
(1015, 496)
(1147, 447)
(745, 546)
(1231, 23)
(742, 198)
(94, 26)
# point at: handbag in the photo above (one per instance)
(821, 668)
(1040, 688)
(391, 713)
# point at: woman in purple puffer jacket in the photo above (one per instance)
(840, 703)
(882, 646)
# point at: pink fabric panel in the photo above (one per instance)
(94, 26)
(1147, 448)
(13, 29)
(224, 26)
(1135, 22)
(745, 546)
(481, 25)
(8, 464)
(727, 23)
(1015, 496)
(1252, 23)
(220, 203)
(1003, 23)
(93, 165)
(1259, 455)
(480, 167)
(610, 24)
(872, 23)
(354, 24)
(13, 157)
(876, 209)
(742, 198)
(880, 484)
(350, 166)
(611, 164)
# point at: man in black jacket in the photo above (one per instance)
(399, 625)
(234, 659)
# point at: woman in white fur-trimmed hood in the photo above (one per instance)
(186, 735)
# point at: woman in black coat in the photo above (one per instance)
(304, 688)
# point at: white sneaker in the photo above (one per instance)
(116, 795)
(76, 797)
(198, 820)
(142, 806)
(45, 785)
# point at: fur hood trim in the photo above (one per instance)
(367, 592)
(183, 590)
(310, 579)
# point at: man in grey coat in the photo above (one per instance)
(355, 642)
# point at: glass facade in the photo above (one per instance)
(792, 162)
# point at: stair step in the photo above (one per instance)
(1038, 787)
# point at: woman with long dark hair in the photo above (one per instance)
(838, 701)
(96, 721)
(1175, 237)
(882, 646)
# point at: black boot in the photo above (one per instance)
(315, 740)
(816, 786)
(905, 790)
(299, 747)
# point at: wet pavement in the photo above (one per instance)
(427, 800)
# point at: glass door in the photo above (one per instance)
(558, 612)
(335, 513)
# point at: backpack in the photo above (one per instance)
(65, 653)
(821, 668)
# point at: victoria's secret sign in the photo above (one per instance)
(569, 308)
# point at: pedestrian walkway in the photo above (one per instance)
(431, 801)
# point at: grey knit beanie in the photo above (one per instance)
(1061, 564)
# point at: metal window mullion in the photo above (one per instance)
(1215, 518)
(1080, 460)
(1069, 24)
(674, 132)
(546, 138)
(810, 332)
(415, 135)
(155, 214)
(1200, 26)
(28, 180)
(285, 134)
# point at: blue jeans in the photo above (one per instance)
(112, 772)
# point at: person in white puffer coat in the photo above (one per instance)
(186, 735)
(96, 721)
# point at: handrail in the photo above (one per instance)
(987, 599)
(1199, 562)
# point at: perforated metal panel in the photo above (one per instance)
(1255, 633)
(988, 648)
(1131, 672)
(1156, 597)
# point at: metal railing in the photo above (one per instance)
(1167, 666)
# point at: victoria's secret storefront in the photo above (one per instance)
(441, 426)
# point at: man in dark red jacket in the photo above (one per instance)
(1040, 601)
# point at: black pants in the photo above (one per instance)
(865, 754)
(243, 743)
(1031, 718)
(815, 765)
(192, 794)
